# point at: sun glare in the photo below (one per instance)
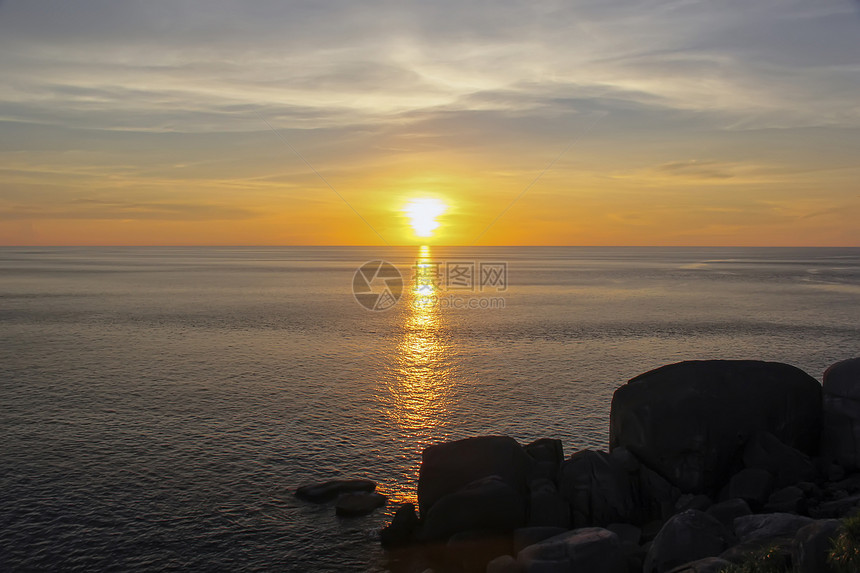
(422, 215)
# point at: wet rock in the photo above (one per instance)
(726, 512)
(706, 565)
(686, 537)
(840, 432)
(448, 467)
(768, 526)
(584, 549)
(751, 485)
(690, 421)
(788, 465)
(403, 527)
(329, 490)
(487, 504)
(812, 544)
(355, 504)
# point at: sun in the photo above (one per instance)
(422, 215)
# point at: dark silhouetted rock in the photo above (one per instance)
(546, 506)
(778, 550)
(448, 467)
(690, 501)
(840, 432)
(526, 536)
(726, 512)
(403, 527)
(686, 537)
(329, 490)
(598, 488)
(487, 504)
(504, 564)
(768, 526)
(355, 504)
(787, 500)
(836, 508)
(547, 452)
(751, 485)
(585, 549)
(788, 465)
(690, 421)
(812, 544)
(657, 497)
(626, 532)
(706, 565)
(471, 551)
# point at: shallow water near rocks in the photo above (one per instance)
(160, 405)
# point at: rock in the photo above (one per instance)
(471, 551)
(355, 504)
(706, 565)
(768, 526)
(546, 450)
(448, 467)
(769, 554)
(625, 459)
(634, 556)
(840, 432)
(690, 501)
(751, 485)
(686, 537)
(690, 421)
(787, 500)
(812, 544)
(626, 533)
(526, 536)
(651, 529)
(726, 512)
(836, 508)
(487, 504)
(547, 507)
(657, 496)
(504, 564)
(598, 489)
(585, 549)
(788, 465)
(835, 473)
(402, 528)
(329, 490)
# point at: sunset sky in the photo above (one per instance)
(654, 123)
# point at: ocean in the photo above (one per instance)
(160, 405)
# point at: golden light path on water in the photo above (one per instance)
(420, 388)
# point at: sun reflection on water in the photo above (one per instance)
(421, 383)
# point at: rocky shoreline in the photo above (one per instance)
(709, 464)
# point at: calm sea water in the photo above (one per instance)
(160, 405)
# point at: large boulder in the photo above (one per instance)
(752, 485)
(488, 504)
(690, 421)
(599, 489)
(686, 537)
(548, 453)
(448, 467)
(788, 465)
(546, 506)
(840, 432)
(727, 511)
(584, 549)
(706, 565)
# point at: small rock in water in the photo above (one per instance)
(327, 491)
(354, 504)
